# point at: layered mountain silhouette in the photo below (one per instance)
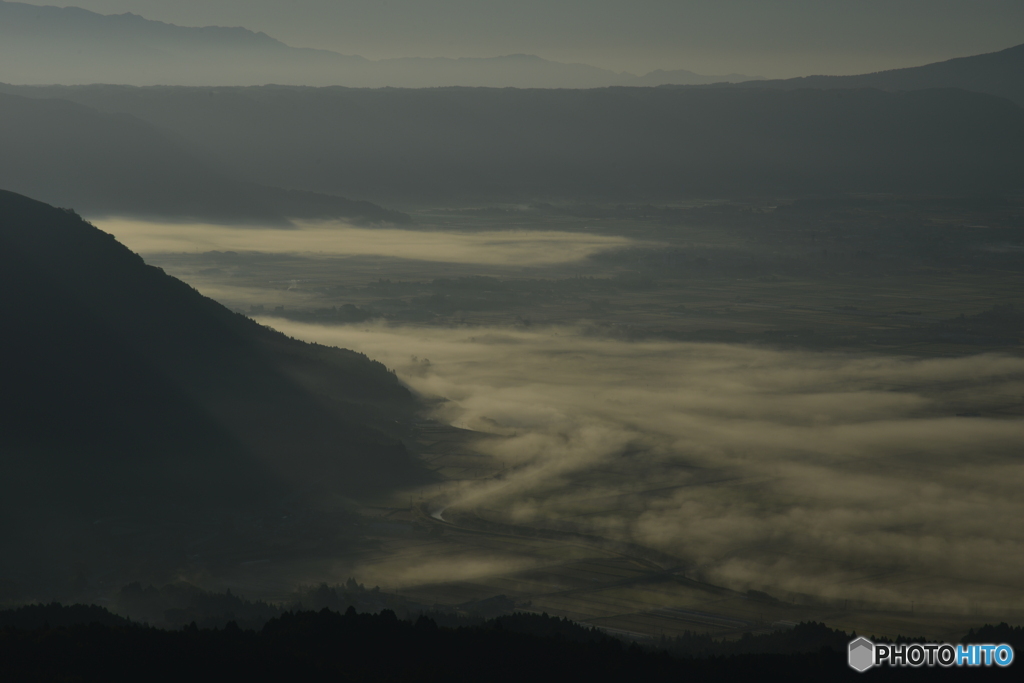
(73, 46)
(69, 45)
(616, 143)
(996, 73)
(130, 401)
(71, 155)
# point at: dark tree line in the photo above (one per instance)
(52, 642)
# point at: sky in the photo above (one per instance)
(771, 38)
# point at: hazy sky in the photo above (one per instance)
(774, 38)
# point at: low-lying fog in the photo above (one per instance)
(498, 247)
(885, 479)
(875, 478)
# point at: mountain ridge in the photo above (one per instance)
(70, 154)
(73, 46)
(610, 144)
(137, 415)
(999, 73)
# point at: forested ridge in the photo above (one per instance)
(83, 643)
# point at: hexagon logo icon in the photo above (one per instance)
(861, 654)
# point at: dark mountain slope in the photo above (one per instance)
(604, 144)
(71, 155)
(996, 73)
(127, 395)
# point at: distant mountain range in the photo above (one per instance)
(137, 416)
(996, 73)
(512, 145)
(69, 45)
(72, 155)
(264, 154)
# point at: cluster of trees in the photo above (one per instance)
(1000, 325)
(178, 604)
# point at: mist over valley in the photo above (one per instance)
(565, 355)
(676, 371)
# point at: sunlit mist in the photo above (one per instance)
(505, 247)
(788, 471)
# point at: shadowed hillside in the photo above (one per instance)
(608, 144)
(138, 415)
(71, 155)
